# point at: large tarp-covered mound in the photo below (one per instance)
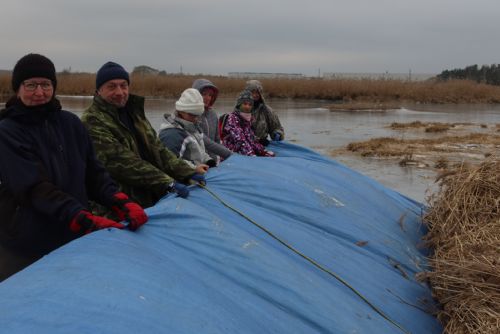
(292, 244)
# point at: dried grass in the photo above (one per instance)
(430, 126)
(382, 94)
(438, 128)
(464, 232)
(441, 163)
(395, 147)
(414, 124)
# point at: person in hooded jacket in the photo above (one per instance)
(181, 134)
(209, 120)
(48, 172)
(265, 122)
(238, 133)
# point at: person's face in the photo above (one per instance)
(246, 106)
(255, 95)
(208, 95)
(188, 117)
(114, 92)
(35, 91)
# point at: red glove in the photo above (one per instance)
(129, 211)
(86, 222)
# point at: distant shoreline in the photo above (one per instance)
(338, 90)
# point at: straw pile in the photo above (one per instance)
(464, 232)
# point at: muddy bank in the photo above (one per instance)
(453, 144)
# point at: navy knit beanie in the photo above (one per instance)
(32, 66)
(110, 71)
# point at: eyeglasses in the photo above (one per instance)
(31, 86)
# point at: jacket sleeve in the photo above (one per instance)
(274, 124)
(257, 147)
(121, 161)
(174, 166)
(100, 185)
(214, 148)
(173, 139)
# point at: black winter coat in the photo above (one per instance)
(48, 172)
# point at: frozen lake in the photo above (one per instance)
(309, 123)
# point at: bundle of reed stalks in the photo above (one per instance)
(464, 233)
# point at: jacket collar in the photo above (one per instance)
(17, 111)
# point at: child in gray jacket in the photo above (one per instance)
(180, 132)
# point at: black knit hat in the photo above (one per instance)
(110, 71)
(31, 66)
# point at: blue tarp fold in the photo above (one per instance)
(199, 267)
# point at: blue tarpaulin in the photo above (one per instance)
(293, 244)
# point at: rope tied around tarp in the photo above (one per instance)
(307, 258)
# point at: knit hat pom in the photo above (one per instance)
(33, 65)
(110, 71)
(190, 102)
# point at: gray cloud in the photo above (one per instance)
(266, 36)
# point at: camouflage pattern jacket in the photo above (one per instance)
(264, 121)
(147, 179)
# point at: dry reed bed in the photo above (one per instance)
(430, 126)
(395, 147)
(347, 90)
(441, 127)
(5, 87)
(464, 233)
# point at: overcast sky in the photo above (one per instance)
(221, 36)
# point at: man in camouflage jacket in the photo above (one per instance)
(127, 145)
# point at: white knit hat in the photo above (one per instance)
(190, 102)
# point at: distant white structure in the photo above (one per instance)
(379, 76)
(256, 75)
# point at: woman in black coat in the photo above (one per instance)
(48, 172)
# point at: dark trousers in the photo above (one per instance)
(11, 261)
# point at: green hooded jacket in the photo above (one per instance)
(147, 179)
(265, 122)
